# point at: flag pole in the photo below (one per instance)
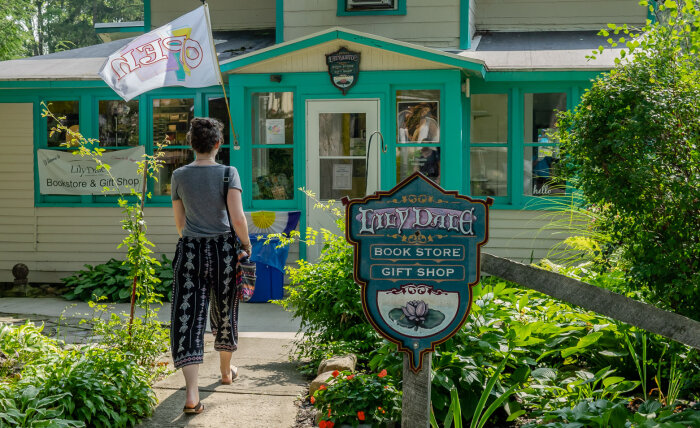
(236, 146)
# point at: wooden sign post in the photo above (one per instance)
(416, 256)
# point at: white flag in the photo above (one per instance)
(180, 53)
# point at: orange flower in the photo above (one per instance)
(361, 415)
(382, 373)
(313, 400)
(322, 387)
(329, 412)
(335, 373)
(350, 376)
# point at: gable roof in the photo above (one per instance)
(473, 65)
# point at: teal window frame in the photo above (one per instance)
(248, 147)
(88, 99)
(400, 10)
(509, 144)
(393, 145)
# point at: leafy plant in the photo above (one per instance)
(25, 408)
(22, 344)
(112, 280)
(631, 147)
(358, 399)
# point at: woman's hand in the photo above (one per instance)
(248, 248)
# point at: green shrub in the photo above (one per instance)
(24, 408)
(327, 300)
(111, 280)
(22, 344)
(633, 147)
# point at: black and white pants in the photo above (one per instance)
(204, 270)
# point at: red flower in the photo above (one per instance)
(361, 415)
(382, 373)
(335, 373)
(322, 424)
(329, 424)
(350, 376)
(322, 387)
(313, 400)
(329, 412)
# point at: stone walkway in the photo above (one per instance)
(263, 395)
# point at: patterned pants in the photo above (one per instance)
(204, 269)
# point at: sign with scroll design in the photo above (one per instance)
(343, 68)
(416, 256)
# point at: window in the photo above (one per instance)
(418, 133)
(70, 111)
(171, 120)
(118, 123)
(371, 7)
(489, 145)
(273, 141)
(541, 152)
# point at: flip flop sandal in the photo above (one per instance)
(234, 375)
(197, 409)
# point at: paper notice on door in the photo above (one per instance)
(342, 176)
(274, 131)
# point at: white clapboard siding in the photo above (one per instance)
(433, 23)
(225, 14)
(313, 59)
(556, 15)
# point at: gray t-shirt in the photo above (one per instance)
(201, 188)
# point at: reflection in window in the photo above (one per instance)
(489, 118)
(273, 118)
(541, 153)
(361, 5)
(172, 160)
(218, 110)
(342, 134)
(118, 123)
(171, 120)
(541, 170)
(423, 159)
(418, 116)
(273, 174)
(69, 110)
(489, 171)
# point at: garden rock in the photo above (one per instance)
(340, 363)
(318, 381)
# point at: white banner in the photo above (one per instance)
(180, 53)
(63, 173)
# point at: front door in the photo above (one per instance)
(340, 158)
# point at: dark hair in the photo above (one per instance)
(204, 133)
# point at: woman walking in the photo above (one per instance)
(206, 258)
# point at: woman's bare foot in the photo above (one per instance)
(228, 378)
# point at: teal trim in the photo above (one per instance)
(279, 21)
(516, 129)
(652, 8)
(288, 47)
(342, 11)
(542, 76)
(147, 15)
(134, 29)
(465, 41)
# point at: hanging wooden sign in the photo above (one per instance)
(343, 68)
(416, 256)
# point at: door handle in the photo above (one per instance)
(381, 137)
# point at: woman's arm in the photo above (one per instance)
(240, 225)
(179, 214)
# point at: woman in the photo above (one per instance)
(206, 258)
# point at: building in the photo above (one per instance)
(462, 90)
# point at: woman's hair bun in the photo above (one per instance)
(204, 133)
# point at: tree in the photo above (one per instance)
(39, 27)
(632, 148)
(13, 13)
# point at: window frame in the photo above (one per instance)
(248, 146)
(342, 10)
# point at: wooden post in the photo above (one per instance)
(415, 407)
